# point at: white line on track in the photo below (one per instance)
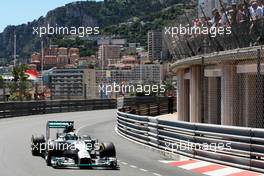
(143, 170)
(124, 163)
(156, 174)
(133, 166)
(166, 161)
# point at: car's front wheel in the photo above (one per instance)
(108, 150)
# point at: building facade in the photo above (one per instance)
(154, 45)
(110, 41)
(73, 83)
(56, 57)
(145, 73)
(108, 55)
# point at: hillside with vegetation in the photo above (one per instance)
(130, 19)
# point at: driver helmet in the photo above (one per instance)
(69, 129)
(71, 136)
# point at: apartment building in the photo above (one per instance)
(154, 45)
(145, 73)
(73, 83)
(74, 55)
(148, 73)
(56, 57)
(108, 55)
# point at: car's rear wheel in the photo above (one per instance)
(36, 144)
(48, 158)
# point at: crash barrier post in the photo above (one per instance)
(170, 105)
(14, 109)
(228, 145)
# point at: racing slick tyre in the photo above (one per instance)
(36, 142)
(50, 152)
(48, 158)
(108, 150)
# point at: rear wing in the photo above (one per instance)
(57, 125)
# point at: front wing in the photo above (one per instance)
(62, 162)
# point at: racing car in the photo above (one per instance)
(67, 149)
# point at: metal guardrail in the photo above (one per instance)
(15, 109)
(235, 146)
(151, 106)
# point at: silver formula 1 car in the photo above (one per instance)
(67, 149)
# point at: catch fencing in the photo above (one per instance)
(15, 109)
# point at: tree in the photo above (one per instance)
(1, 81)
(20, 87)
(169, 87)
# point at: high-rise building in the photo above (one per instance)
(108, 55)
(154, 45)
(145, 73)
(73, 83)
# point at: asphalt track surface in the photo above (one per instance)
(134, 159)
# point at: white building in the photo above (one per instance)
(145, 73)
(73, 84)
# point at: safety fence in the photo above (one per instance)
(14, 109)
(149, 105)
(235, 146)
(245, 34)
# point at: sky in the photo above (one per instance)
(15, 12)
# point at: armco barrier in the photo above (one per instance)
(14, 109)
(149, 105)
(236, 146)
